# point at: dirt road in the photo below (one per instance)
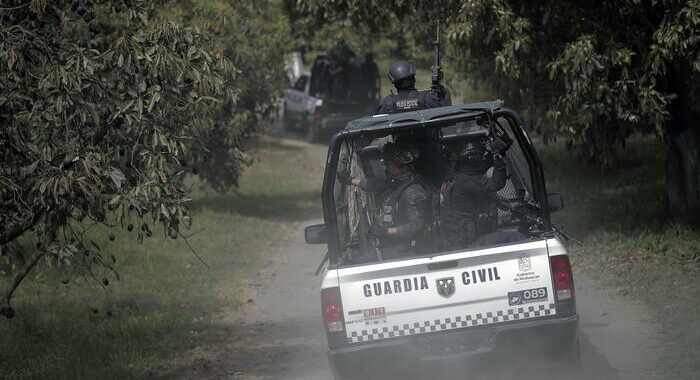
(281, 334)
(278, 332)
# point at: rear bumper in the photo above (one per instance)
(540, 337)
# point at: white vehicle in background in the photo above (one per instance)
(323, 101)
(515, 298)
(299, 106)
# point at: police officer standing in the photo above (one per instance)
(403, 75)
(401, 223)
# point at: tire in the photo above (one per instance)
(287, 123)
(312, 133)
(569, 362)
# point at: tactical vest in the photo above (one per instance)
(457, 228)
(390, 204)
(388, 215)
(406, 101)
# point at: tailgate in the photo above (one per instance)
(457, 290)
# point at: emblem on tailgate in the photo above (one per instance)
(445, 286)
(524, 262)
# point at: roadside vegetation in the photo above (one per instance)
(165, 300)
(107, 106)
(630, 244)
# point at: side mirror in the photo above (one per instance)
(315, 234)
(555, 202)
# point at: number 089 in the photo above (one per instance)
(534, 294)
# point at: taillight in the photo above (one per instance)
(318, 111)
(332, 310)
(563, 277)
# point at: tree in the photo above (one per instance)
(104, 107)
(255, 37)
(593, 72)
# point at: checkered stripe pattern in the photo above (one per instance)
(478, 319)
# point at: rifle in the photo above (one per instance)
(527, 213)
(371, 242)
(438, 75)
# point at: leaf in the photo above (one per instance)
(117, 177)
(115, 200)
(11, 59)
(154, 99)
(42, 187)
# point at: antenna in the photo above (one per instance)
(437, 67)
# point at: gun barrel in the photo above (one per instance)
(437, 69)
(436, 47)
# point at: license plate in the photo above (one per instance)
(526, 296)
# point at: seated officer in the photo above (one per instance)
(403, 75)
(401, 223)
(470, 210)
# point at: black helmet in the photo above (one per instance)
(402, 154)
(474, 150)
(474, 158)
(401, 70)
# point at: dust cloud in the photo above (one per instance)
(283, 335)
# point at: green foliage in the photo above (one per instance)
(630, 247)
(255, 37)
(105, 106)
(168, 308)
(594, 72)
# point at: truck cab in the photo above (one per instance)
(510, 289)
(334, 92)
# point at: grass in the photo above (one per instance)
(165, 297)
(631, 245)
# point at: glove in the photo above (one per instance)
(498, 146)
(506, 139)
(374, 184)
(378, 230)
(344, 177)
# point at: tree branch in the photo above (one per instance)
(18, 230)
(5, 308)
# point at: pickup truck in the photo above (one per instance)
(510, 298)
(299, 106)
(323, 101)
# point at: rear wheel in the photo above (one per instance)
(312, 132)
(287, 123)
(569, 361)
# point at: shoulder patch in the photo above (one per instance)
(406, 104)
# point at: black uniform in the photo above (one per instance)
(411, 100)
(474, 192)
(470, 209)
(405, 205)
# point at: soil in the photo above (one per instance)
(278, 332)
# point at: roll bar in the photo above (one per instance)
(517, 126)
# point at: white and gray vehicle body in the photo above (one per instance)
(299, 104)
(448, 305)
(334, 92)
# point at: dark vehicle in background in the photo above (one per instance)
(340, 87)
